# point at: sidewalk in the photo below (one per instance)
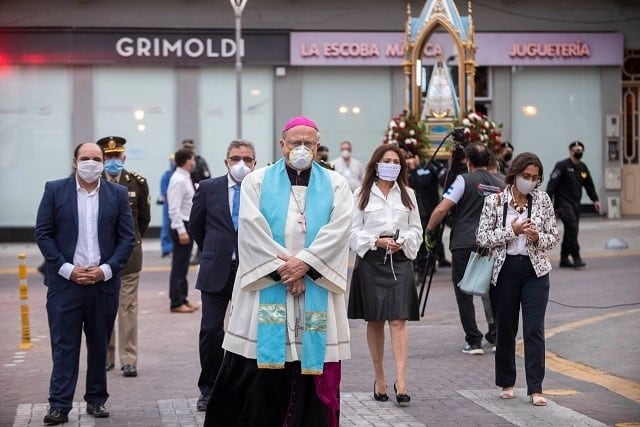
(447, 387)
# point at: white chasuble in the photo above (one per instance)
(258, 257)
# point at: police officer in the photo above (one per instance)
(423, 178)
(114, 158)
(506, 154)
(322, 157)
(565, 188)
(200, 172)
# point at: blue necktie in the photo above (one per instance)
(235, 208)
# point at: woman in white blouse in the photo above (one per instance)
(385, 234)
(519, 225)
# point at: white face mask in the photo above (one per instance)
(388, 171)
(239, 171)
(345, 154)
(300, 157)
(89, 170)
(525, 186)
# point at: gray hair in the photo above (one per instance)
(239, 143)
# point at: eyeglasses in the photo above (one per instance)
(245, 159)
(528, 177)
(298, 143)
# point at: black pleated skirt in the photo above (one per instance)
(376, 295)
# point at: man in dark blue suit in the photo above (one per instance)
(85, 232)
(213, 223)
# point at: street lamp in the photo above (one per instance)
(238, 7)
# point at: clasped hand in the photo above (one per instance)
(526, 227)
(292, 274)
(389, 244)
(87, 275)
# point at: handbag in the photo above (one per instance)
(477, 275)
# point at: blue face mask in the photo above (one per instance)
(113, 166)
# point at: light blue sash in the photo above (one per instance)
(272, 309)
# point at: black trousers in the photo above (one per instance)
(214, 308)
(518, 285)
(178, 284)
(570, 217)
(466, 309)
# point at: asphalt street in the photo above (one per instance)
(593, 349)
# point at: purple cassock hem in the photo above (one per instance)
(328, 390)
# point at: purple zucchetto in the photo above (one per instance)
(300, 121)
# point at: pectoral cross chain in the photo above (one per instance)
(298, 326)
(302, 220)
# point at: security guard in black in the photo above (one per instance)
(568, 178)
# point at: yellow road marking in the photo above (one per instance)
(621, 386)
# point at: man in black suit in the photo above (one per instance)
(85, 232)
(213, 223)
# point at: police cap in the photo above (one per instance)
(576, 144)
(112, 144)
(188, 143)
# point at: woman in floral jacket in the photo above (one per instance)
(519, 225)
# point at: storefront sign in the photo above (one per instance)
(131, 46)
(494, 49)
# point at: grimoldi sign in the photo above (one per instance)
(131, 46)
(494, 49)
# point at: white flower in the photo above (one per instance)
(392, 124)
(412, 132)
(466, 122)
(402, 124)
(474, 116)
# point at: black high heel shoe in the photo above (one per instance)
(380, 397)
(402, 399)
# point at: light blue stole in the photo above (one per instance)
(272, 309)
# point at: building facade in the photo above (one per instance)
(551, 72)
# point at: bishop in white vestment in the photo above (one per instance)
(288, 327)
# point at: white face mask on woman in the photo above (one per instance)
(525, 186)
(89, 170)
(388, 171)
(300, 157)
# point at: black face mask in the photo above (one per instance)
(507, 157)
(578, 155)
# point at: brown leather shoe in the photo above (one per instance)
(184, 308)
(193, 306)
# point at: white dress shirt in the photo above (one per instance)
(87, 252)
(353, 171)
(180, 198)
(382, 217)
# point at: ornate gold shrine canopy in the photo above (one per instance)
(439, 15)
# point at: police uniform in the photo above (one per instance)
(138, 190)
(201, 171)
(565, 189)
(424, 180)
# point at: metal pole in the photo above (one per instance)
(238, 13)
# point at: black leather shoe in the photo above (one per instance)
(380, 397)
(97, 410)
(443, 262)
(55, 416)
(203, 401)
(129, 371)
(578, 262)
(109, 367)
(402, 399)
(564, 262)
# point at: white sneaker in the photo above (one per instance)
(472, 349)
